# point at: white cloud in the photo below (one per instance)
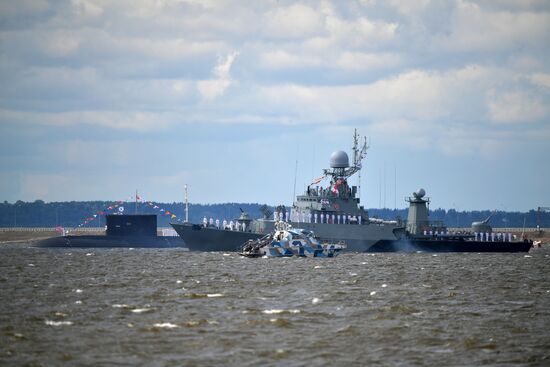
(413, 94)
(541, 79)
(360, 32)
(477, 29)
(60, 43)
(360, 61)
(457, 78)
(410, 7)
(215, 87)
(515, 107)
(282, 59)
(141, 121)
(86, 8)
(296, 21)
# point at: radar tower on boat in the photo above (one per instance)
(339, 162)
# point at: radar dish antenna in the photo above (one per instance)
(419, 194)
(339, 161)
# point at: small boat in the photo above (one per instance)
(286, 241)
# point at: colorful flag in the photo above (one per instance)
(317, 180)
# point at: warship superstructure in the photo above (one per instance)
(333, 212)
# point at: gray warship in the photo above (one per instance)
(333, 212)
(424, 235)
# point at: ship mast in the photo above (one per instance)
(186, 206)
(358, 154)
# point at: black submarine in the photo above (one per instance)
(123, 231)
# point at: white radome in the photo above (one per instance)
(339, 159)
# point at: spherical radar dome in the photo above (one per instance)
(339, 159)
(419, 193)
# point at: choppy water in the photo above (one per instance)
(166, 307)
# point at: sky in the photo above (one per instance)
(244, 101)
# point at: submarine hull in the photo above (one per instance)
(127, 230)
(111, 242)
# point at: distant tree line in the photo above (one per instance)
(74, 213)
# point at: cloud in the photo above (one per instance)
(296, 21)
(415, 94)
(87, 8)
(475, 28)
(358, 32)
(453, 79)
(284, 60)
(541, 79)
(360, 61)
(11, 9)
(515, 107)
(215, 87)
(122, 120)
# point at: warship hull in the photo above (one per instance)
(358, 238)
(199, 238)
(449, 245)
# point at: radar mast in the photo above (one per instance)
(340, 168)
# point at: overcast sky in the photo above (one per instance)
(99, 98)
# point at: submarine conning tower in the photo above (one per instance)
(131, 225)
(417, 219)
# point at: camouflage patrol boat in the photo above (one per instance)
(333, 212)
(286, 241)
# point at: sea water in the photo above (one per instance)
(168, 307)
